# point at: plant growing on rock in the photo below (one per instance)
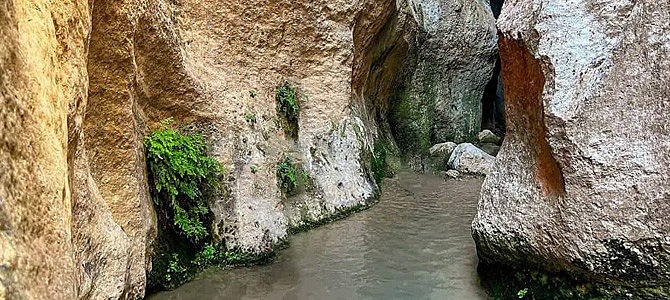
(250, 118)
(287, 176)
(288, 108)
(181, 174)
(378, 162)
(181, 171)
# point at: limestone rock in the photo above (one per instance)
(582, 180)
(439, 154)
(443, 150)
(450, 61)
(486, 136)
(452, 174)
(58, 237)
(469, 159)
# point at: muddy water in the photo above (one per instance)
(414, 244)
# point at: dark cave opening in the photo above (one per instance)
(493, 100)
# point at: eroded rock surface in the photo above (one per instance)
(451, 59)
(581, 183)
(83, 84)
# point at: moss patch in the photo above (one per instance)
(288, 109)
(411, 121)
(378, 162)
(507, 283)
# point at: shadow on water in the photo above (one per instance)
(414, 244)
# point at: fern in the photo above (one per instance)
(181, 172)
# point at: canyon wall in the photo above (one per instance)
(581, 183)
(451, 59)
(82, 82)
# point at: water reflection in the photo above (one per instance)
(415, 244)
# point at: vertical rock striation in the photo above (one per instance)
(43, 84)
(581, 183)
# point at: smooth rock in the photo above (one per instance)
(469, 159)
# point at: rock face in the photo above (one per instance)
(82, 85)
(60, 239)
(469, 159)
(582, 180)
(451, 59)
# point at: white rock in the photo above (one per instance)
(469, 159)
(452, 174)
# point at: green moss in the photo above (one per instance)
(378, 162)
(287, 179)
(506, 283)
(175, 266)
(288, 109)
(412, 116)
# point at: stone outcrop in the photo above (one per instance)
(581, 183)
(84, 81)
(451, 58)
(468, 159)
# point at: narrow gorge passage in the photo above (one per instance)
(414, 244)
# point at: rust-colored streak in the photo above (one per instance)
(523, 82)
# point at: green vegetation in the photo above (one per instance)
(508, 283)
(181, 172)
(287, 176)
(522, 293)
(378, 162)
(181, 175)
(253, 93)
(288, 109)
(250, 118)
(254, 169)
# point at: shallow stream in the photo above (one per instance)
(414, 244)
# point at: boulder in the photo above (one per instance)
(452, 174)
(443, 150)
(486, 136)
(469, 159)
(582, 182)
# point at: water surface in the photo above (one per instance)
(414, 244)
